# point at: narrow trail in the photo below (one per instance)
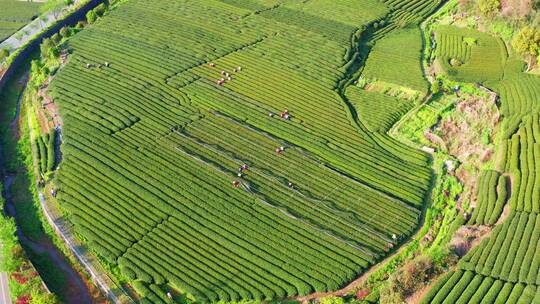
(76, 290)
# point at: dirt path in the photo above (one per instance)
(338, 293)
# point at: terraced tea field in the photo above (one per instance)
(14, 14)
(210, 147)
(470, 56)
(504, 268)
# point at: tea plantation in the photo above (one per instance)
(504, 268)
(14, 14)
(220, 149)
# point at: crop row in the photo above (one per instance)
(511, 253)
(490, 198)
(419, 7)
(485, 62)
(388, 60)
(522, 160)
(100, 216)
(151, 146)
(265, 153)
(306, 114)
(46, 151)
(461, 287)
(18, 11)
(519, 93)
(377, 111)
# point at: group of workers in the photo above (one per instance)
(283, 115)
(99, 65)
(225, 76)
(242, 169)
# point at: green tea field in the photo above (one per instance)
(14, 14)
(221, 149)
(504, 268)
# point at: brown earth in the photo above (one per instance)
(466, 238)
(518, 8)
(462, 134)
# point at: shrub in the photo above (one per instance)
(408, 279)
(332, 300)
(436, 87)
(4, 53)
(489, 7)
(100, 9)
(65, 32)
(56, 38)
(51, 151)
(91, 16)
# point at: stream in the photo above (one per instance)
(74, 288)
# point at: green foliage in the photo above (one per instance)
(332, 300)
(42, 152)
(488, 204)
(65, 32)
(478, 62)
(14, 14)
(43, 298)
(100, 9)
(51, 151)
(436, 87)
(489, 7)
(53, 6)
(527, 42)
(151, 145)
(91, 16)
(391, 62)
(4, 53)
(408, 279)
(379, 112)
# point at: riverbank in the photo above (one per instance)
(22, 202)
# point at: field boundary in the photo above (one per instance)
(115, 293)
(89, 262)
(19, 56)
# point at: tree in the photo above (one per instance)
(46, 46)
(332, 300)
(65, 32)
(91, 16)
(4, 53)
(489, 7)
(56, 38)
(527, 43)
(100, 9)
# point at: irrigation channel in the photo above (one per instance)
(65, 281)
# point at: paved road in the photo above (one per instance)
(33, 28)
(4, 289)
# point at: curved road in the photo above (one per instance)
(4, 289)
(36, 26)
